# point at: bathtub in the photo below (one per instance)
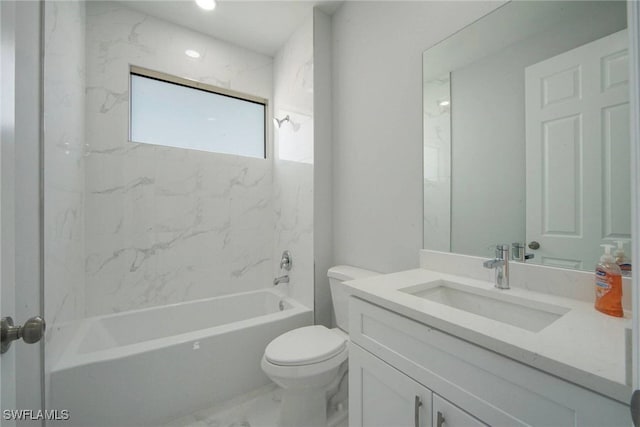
(145, 367)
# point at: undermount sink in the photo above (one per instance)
(520, 312)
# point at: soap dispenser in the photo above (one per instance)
(608, 280)
(621, 259)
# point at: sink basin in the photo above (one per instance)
(520, 312)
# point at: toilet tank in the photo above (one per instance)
(339, 293)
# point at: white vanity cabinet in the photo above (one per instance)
(385, 397)
(405, 373)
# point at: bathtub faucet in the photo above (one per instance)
(281, 279)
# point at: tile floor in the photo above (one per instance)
(259, 408)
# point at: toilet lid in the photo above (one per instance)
(304, 346)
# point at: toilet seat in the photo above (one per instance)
(302, 374)
(305, 346)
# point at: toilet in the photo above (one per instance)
(310, 363)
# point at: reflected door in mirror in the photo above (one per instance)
(577, 149)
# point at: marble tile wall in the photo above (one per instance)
(64, 157)
(165, 224)
(437, 164)
(293, 161)
(64, 169)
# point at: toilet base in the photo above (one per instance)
(316, 407)
(303, 407)
(338, 405)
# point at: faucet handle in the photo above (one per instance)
(286, 261)
(493, 263)
(519, 253)
(502, 251)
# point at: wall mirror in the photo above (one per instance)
(526, 133)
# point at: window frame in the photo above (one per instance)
(135, 70)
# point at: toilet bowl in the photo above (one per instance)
(310, 363)
(307, 363)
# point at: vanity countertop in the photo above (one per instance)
(583, 346)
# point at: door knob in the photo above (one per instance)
(31, 332)
(534, 245)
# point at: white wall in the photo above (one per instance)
(322, 173)
(293, 161)
(164, 224)
(377, 121)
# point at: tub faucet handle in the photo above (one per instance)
(286, 261)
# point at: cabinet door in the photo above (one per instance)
(382, 396)
(446, 414)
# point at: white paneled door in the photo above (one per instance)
(7, 119)
(21, 364)
(577, 127)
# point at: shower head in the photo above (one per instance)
(279, 122)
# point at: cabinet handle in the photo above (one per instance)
(440, 421)
(416, 411)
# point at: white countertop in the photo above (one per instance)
(583, 346)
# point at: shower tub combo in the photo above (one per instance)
(148, 366)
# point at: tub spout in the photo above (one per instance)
(281, 279)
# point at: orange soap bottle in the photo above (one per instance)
(608, 285)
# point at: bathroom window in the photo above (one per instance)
(175, 112)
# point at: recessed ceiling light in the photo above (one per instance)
(444, 103)
(206, 4)
(192, 53)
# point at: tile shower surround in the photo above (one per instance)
(144, 225)
(166, 224)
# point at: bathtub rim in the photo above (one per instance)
(70, 357)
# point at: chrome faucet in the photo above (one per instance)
(281, 279)
(501, 264)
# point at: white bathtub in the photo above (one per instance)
(147, 366)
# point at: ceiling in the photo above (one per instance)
(260, 25)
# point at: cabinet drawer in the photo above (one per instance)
(491, 387)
